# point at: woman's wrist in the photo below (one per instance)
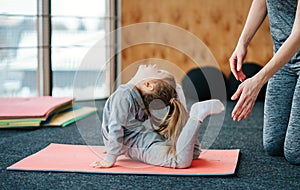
(243, 43)
(261, 78)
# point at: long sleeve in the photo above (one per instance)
(114, 119)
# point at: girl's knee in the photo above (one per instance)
(183, 163)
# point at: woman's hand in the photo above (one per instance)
(247, 93)
(236, 60)
(102, 164)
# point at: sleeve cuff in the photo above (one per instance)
(110, 158)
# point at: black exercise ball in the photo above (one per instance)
(204, 83)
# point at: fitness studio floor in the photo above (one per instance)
(255, 169)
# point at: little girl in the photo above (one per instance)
(171, 141)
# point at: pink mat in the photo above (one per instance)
(76, 158)
(34, 107)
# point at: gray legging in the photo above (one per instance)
(155, 152)
(281, 134)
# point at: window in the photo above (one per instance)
(18, 48)
(76, 27)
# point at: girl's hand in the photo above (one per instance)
(148, 72)
(236, 60)
(247, 93)
(102, 164)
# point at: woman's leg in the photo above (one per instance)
(292, 140)
(277, 110)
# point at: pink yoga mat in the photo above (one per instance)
(76, 158)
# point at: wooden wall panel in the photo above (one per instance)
(217, 23)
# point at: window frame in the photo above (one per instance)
(44, 71)
(44, 68)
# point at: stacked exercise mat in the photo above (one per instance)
(18, 112)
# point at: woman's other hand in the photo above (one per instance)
(236, 60)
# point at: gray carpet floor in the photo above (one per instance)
(255, 169)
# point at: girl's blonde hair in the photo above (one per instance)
(175, 119)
